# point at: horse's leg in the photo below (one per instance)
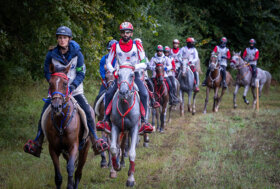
(71, 165)
(146, 140)
(260, 89)
(124, 144)
(216, 97)
(108, 151)
(182, 103)
(55, 159)
(245, 94)
(234, 96)
(153, 118)
(254, 97)
(169, 114)
(103, 163)
(157, 116)
(193, 106)
(114, 149)
(82, 160)
(220, 99)
(132, 154)
(189, 101)
(163, 116)
(206, 100)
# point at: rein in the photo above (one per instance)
(239, 67)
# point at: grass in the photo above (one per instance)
(234, 148)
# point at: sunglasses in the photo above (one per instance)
(159, 51)
(126, 32)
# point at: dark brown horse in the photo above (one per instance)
(162, 96)
(63, 129)
(213, 81)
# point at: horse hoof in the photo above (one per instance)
(204, 112)
(113, 174)
(193, 113)
(103, 164)
(146, 145)
(234, 107)
(129, 183)
(122, 164)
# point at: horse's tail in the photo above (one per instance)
(268, 81)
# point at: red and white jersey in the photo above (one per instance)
(252, 55)
(130, 53)
(175, 54)
(223, 55)
(164, 60)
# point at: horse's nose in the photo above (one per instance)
(123, 92)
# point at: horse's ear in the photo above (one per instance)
(51, 68)
(233, 52)
(239, 53)
(67, 69)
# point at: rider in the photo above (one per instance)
(175, 54)
(171, 73)
(67, 51)
(251, 55)
(102, 65)
(130, 51)
(149, 83)
(190, 54)
(223, 55)
(160, 58)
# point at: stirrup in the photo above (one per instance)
(156, 104)
(145, 128)
(33, 147)
(100, 146)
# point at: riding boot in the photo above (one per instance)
(224, 83)
(253, 81)
(34, 147)
(196, 81)
(207, 74)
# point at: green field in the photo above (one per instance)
(229, 149)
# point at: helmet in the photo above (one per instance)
(110, 43)
(166, 49)
(252, 41)
(138, 39)
(190, 40)
(63, 30)
(159, 48)
(126, 26)
(223, 40)
(176, 41)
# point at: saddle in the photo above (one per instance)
(80, 111)
(98, 101)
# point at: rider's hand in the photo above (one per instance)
(72, 88)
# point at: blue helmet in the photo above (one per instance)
(110, 43)
(64, 30)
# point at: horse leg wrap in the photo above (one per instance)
(131, 168)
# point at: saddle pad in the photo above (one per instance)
(80, 110)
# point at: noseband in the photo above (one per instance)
(124, 81)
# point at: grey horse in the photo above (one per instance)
(244, 77)
(186, 81)
(125, 117)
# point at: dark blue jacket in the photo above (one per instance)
(74, 50)
(102, 64)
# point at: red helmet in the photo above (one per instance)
(159, 48)
(126, 26)
(176, 41)
(224, 40)
(252, 41)
(190, 40)
(166, 49)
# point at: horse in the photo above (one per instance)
(186, 80)
(213, 81)
(161, 96)
(63, 129)
(125, 117)
(244, 77)
(99, 111)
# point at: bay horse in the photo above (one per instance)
(213, 81)
(244, 78)
(161, 96)
(99, 108)
(125, 117)
(63, 129)
(187, 85)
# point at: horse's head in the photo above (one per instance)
(58, 88)
(213, 64)
(159, 74)
(126, 81)
(236, 60)
(109, 78)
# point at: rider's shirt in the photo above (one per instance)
(130, 53)
(173, 69)
(160, 60)
(102, 66)
(223, 55)
(189, 55)
(175, 54)
(74, 57)
(252, 55)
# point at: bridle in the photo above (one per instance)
(64, 96)
(130, 85)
